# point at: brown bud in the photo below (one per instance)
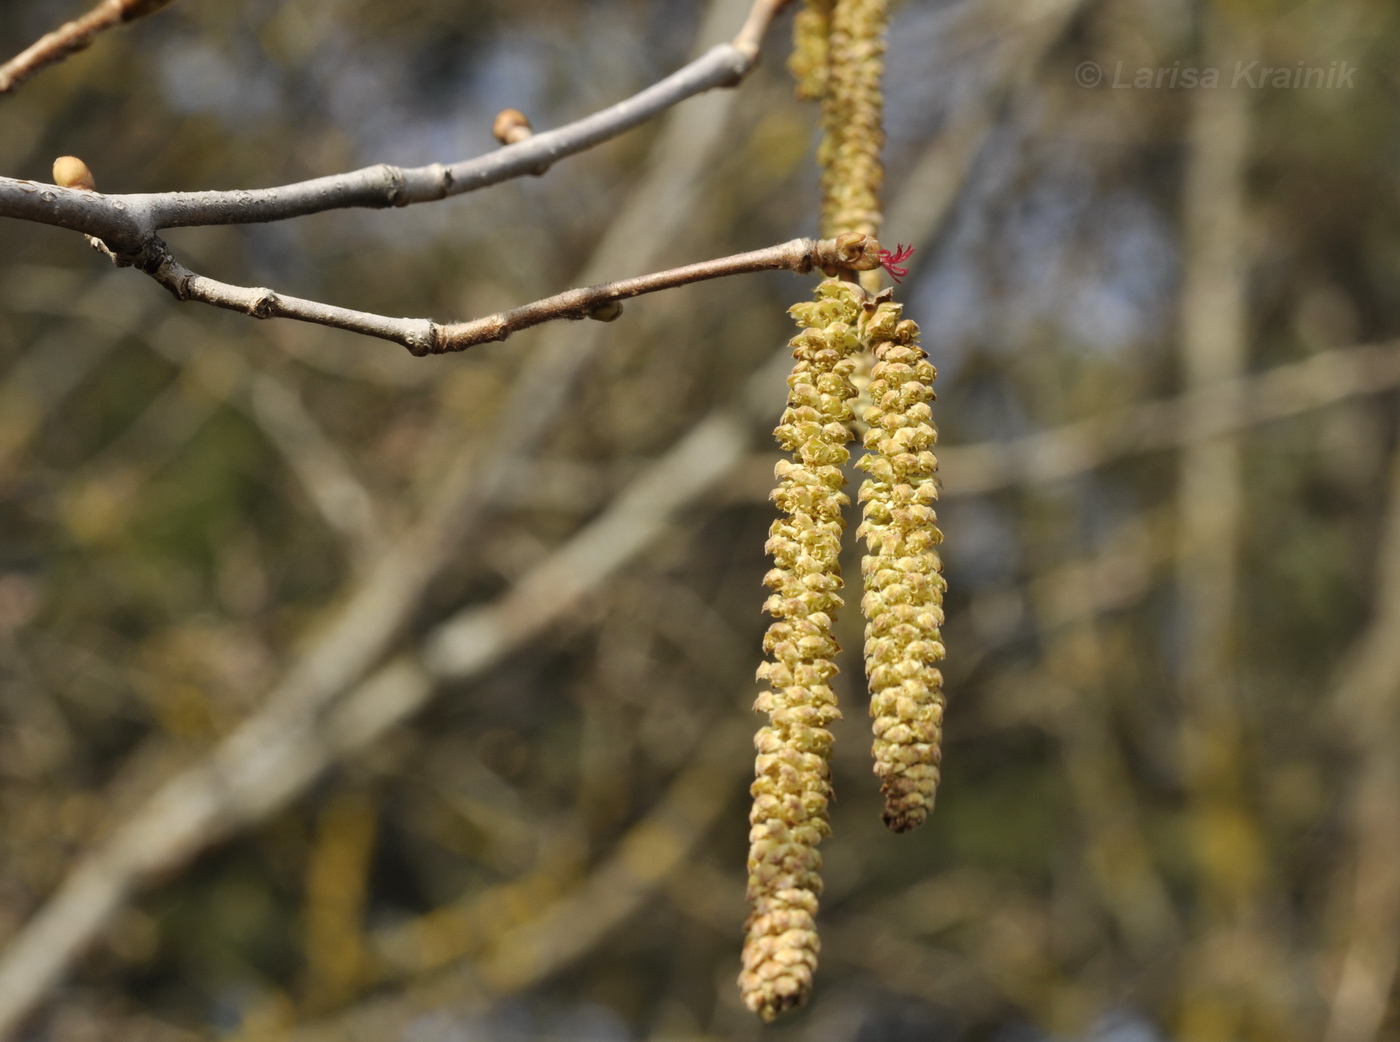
(608, 311)
(858, 251)
(511, 126)
(72, 172)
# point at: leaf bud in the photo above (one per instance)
(72, 172)
(511, 127)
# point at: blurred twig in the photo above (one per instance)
(1198, 415)
(567, 928)
(72, 37)
(325, 472)
(337, 884)
(223, 375)
(1233, 979)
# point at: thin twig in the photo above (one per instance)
(423, 336)
(325, 472)
(125, 223)
(72, 37)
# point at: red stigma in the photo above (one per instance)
(890, 261)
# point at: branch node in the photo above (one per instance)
(441, 174)
(427, 339)
(395, 182)
(750, 37)
(265, 303)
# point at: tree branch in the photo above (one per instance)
(72, 37)
(126, 223)
(423, 336)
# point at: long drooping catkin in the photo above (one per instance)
(792, 783)
(853, 118)
(811, 30)
(903, 600)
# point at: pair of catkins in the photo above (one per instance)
(902, 603)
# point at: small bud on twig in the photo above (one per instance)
(511, 127)
(72, 172)
(606, 312)
(855, 251)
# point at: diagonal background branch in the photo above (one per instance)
(72, 37)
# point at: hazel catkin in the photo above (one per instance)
(792, 784)
(903, 600)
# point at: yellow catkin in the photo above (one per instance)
(808, 62)
(792, 783)
(903, 601)
(853, 118)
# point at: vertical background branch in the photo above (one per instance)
(1230, 851)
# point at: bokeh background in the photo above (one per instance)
(519, 589)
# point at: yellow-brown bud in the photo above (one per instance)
(72, 172)
(511, 126)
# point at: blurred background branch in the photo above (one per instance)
(72, 37)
